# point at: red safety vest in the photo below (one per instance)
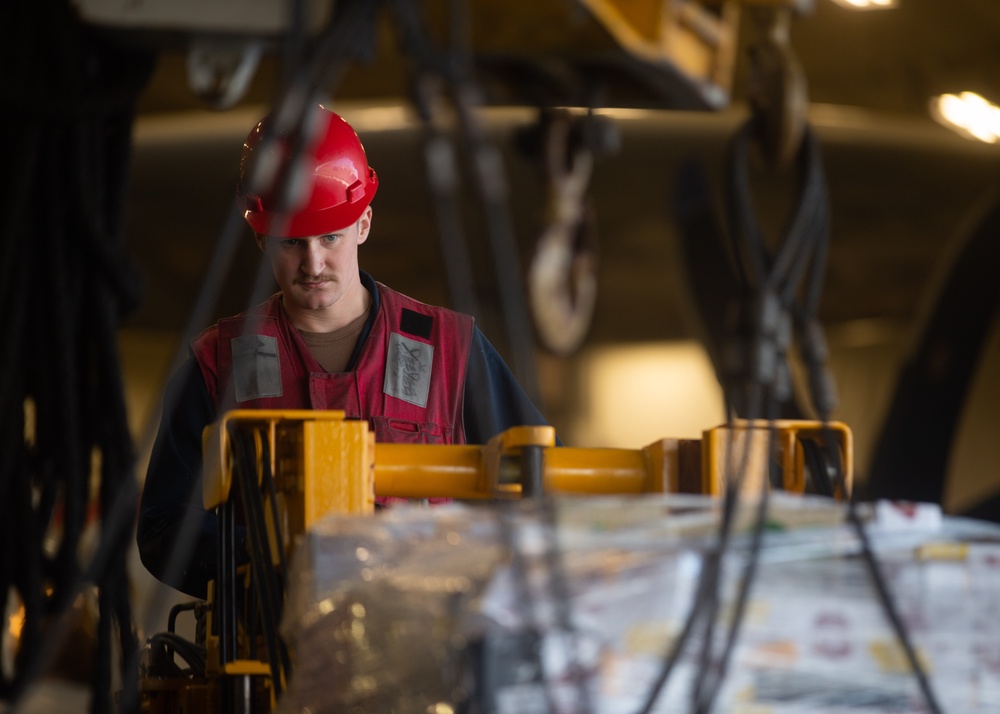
(409, 382)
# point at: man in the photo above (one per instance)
(331, 338)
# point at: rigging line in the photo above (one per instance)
(118, 494)
(813, 350)
(814, 355)
(263, 573)
(707, 590)
(219, 266)
(487, 167)
(757, 396)
(442, 166)
(707, 694)
(560, 592)
(295, 39)
(266, 476)
(736, 401)
(488, 172)
(23, 575)
(22, 572)
(260, 576)
(208, 295)
(110, 594)
(54, 467)
(870, 560)
(813, 197)
(750, 570)
(13, 277)
(699, 599)
(809, 220)
(107, 563)
(440, 159)
(782, 266)
(889, 607)
(442, 173)
(349, 35)
(519, 568)
(60, 399)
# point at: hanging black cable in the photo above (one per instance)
(263, 575)
(755, 377)
(452, 70)
(440, 156)
(343, 39)
(757, 381)
(66, 289)
(813, 351)
(775, 278)
(560, 593)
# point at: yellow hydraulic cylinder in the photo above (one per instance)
(324, 463)
(495, 470)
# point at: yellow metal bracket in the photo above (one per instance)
(325, 463)
(320, 460)
(746, 449)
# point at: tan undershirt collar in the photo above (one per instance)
(333, 349)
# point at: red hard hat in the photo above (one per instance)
(325, 190)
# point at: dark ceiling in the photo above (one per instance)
(901, 186)
(886, 60)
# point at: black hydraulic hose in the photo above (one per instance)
(774, 276)
(187, 650)
(704, 607)
(176, 610)
(263, 574)
(281, 576)
(785, 275)
(268, 477)
(706, 691)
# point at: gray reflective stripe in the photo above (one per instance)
(408, 369)
(256, 367)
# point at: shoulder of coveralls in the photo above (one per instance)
(494, 400)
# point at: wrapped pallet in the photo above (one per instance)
(575, 605)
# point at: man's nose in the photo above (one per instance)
(312, 258)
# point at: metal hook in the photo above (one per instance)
(777, 90)
(562, 279)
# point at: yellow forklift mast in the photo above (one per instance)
(274, 474)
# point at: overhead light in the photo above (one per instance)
(969, 114)
(867, 4)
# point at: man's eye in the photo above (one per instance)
(330, 237)
(290, 242)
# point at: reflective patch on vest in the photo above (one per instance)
(408, 369)
(256, 367)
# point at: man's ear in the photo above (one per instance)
(261, 241)
(364, 225)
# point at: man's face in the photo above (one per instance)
(315, 272)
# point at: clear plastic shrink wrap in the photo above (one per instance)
(488, 610)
